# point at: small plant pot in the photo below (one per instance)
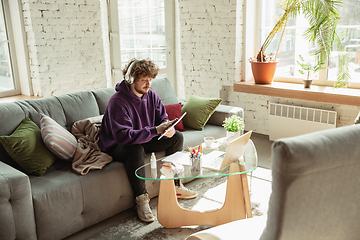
(307, 83)
(232, 134)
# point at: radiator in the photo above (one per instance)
(289, 120)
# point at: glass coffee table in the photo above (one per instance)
(237, 200)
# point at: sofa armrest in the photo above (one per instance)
(17, 219)
(224, 111)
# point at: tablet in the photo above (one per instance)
(172, 125)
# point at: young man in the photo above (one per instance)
(133, 120)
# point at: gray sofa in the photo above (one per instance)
(315, 191)
(62, 202)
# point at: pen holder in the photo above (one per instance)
(196, 162)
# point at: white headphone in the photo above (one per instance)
(128, 78)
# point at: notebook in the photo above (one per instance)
(217, 160)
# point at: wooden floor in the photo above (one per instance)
(16, 98)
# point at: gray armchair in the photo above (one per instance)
(315, 191)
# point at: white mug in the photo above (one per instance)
(209, 141)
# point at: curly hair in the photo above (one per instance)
(144, 67)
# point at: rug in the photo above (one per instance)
(211, 195)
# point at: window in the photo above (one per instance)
(8, 84)
(146, 30)
(142, 31)
(294, 44)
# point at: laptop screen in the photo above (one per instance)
(235, 149)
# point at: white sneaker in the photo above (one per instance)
(143, 209)
(184, 193)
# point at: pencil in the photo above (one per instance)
(189, 149)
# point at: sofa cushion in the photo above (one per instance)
(102, 97)
(174, 111)
(199, 110)
(77, 106)
(162, 87)
(49, 106)
(10, 118)
(57, 139)
(26, 147)
(64, 198)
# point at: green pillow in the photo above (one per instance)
(27, 148)
(198, 111)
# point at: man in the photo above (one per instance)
(133, 120)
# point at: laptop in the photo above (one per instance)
(218, 160)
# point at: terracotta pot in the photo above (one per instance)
(263, 72)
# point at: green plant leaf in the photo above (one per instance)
(233, 123)
(343, 76)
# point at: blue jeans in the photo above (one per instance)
(133, 157)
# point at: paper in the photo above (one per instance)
(178, 157)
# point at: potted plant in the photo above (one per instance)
(234, 125)
(307, 69)
(323, 17)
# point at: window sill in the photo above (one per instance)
(16, 98)
(297, 91)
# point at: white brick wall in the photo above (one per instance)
(208, 30)
(65, 45)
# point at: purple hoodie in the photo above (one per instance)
(129, 119)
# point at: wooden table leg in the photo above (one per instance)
(172, 215)
(245, 187)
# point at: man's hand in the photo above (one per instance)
(170, 133)
(165, 125)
